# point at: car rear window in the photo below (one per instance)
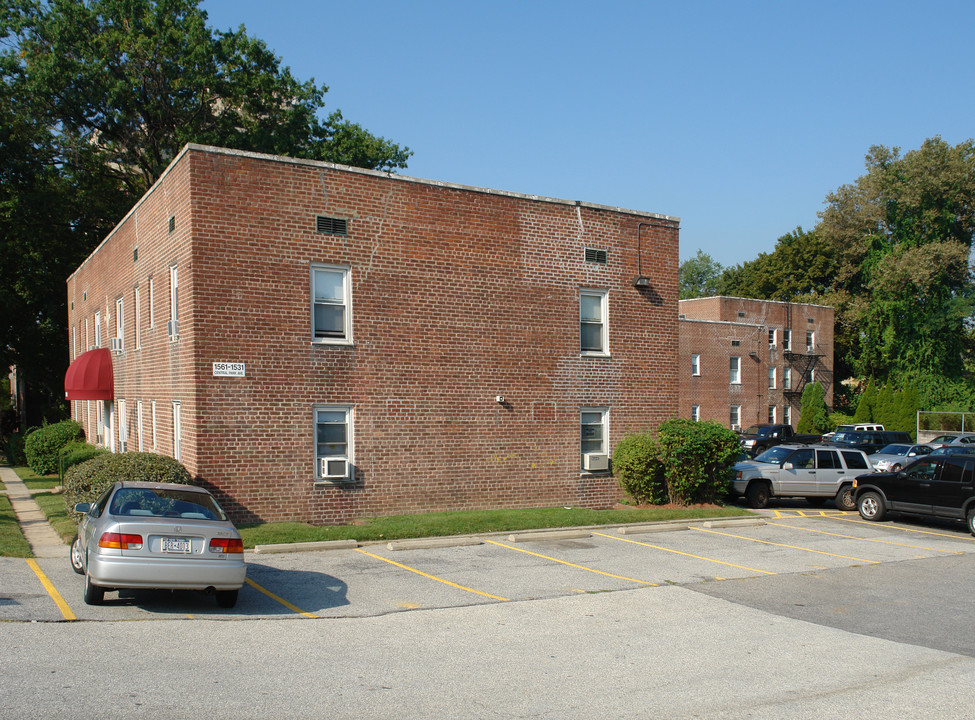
(855, 460)
(165, 502)
(827, 459)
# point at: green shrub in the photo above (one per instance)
(13, 448)
(87, 481)
(78, 452)
(43, 446)
(638, 469)
(697, 457)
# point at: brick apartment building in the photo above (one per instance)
(747, 361)
(317, 342)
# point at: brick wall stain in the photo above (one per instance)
(458, 296)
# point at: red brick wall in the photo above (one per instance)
(710, 326)
(458, 295)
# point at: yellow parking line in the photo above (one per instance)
(791, 547)
(876, 540)
(678, 552)
(281, 600)
(432, 577)
(51, 590)
(874, 523)
(579, 567)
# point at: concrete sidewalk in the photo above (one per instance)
(43, 541)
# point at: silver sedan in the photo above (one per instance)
(893, 457)
(157, 535)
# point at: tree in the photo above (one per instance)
(865, 406)
(698, 276)
(814, 415)
(97, 97)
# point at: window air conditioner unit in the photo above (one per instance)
(333, 468)
(595, 461)
(172, 329)
(115, 344)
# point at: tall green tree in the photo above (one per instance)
(814, 415)
(97, 97)
(698, 276)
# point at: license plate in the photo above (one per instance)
(175, 545)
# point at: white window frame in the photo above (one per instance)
(138, 416)
(138, 319)
(87, 336)
(696, 413)
(98, 328)
(810, 341)
(123, 427)
(786, 340)
(786, 378)
(735, 368)
(734, 416)
(603, 323)
(155, 446)
(120, 322)
(348, 411)
(586, 444)
(695, 365)
(771, 414)
(173, 303)
(771, 378)
(772, 335)
(345, 303)
(177, 430)
(152, 310)
(786, 415)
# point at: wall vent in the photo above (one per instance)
(736, 343)
(331, 225)
(595, 255)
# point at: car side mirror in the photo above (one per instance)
(787, 465)
(82, 508)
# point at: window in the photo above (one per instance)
(333, 442)
(593, 322)
(696, 365)
(87, 336)
(787, 378)
(594, 432)
(119, 322)
(735, 417)
(173, 329)
(98, 328)
(786, 339)
(771, 414)
(735, 370)
(811, 376)
(153, 409)
(331, 316)
(138, 321)
(177, 430)
(787, 414)
(803, 459)
(123, 430)
(855, 460)
(771, 338)
(152, 305)
(810, 341)
(696, 413)
(138, 419)
(771, 378)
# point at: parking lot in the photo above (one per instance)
(378, 579)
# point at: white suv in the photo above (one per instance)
(814, 472)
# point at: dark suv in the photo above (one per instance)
(942, 486)
(868, 440)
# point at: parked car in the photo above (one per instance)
(941, 487)
(873, 427)
(963, 440)
(157, 535)
(759, 438)
(953, 450)
(897, 455)
(814, 472)
(869, 441)
(941, 440)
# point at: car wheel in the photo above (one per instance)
(226, 598)
(94, 595)
(895, 467)
(971, 521)
(758, 494)
(76, 562)
(844, 498)
(871, 507)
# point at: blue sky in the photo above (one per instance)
(737, 117)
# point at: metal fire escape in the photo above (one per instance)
(803, 358)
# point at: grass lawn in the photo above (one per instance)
(12, 541)
(468, 522)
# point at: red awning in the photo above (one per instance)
(89, 377)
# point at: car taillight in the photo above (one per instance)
(120, 541)
(226, 545)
